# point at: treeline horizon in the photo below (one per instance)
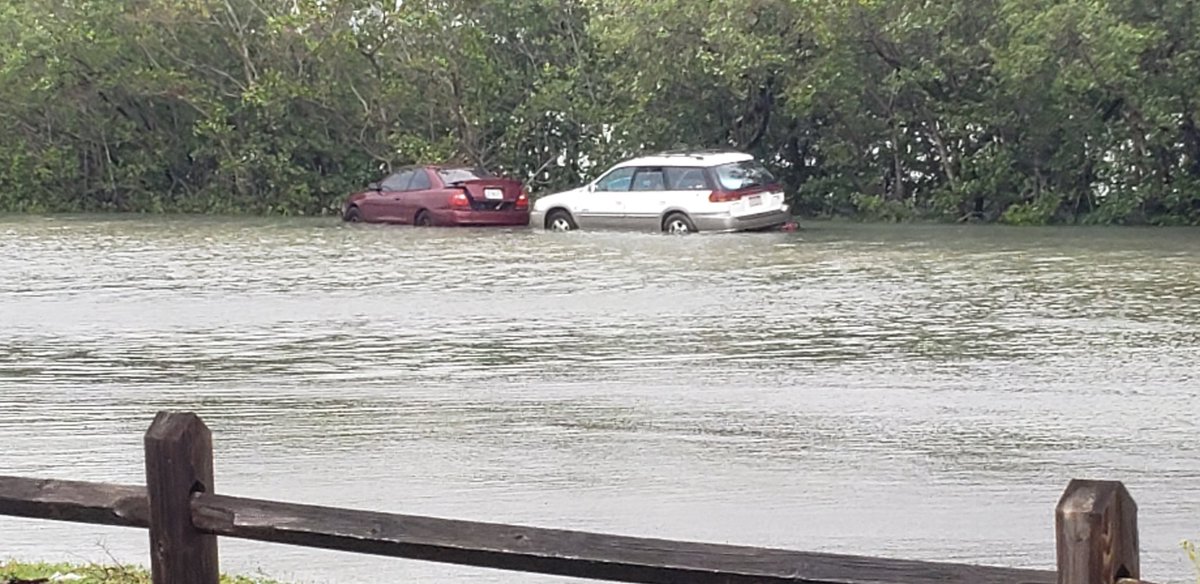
(1016, 111)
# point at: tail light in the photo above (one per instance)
(724, 196)
(522, 200)
(460, 201)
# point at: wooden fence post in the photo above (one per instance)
(179, 462)
(1096, 531)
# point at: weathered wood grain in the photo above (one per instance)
(1097, 534)
(179, 464)
(569, 553)
(76, 501)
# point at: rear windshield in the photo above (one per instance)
(457, 175)
(743, 175)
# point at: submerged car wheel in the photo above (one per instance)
(353, 215)
(560, 220)
(423, 219)
(678, 224)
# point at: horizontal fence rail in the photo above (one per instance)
(1095, 523)
(491, 545)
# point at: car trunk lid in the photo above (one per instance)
(496, 194)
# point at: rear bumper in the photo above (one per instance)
(455, 217)
(537, 218)
(727, 222)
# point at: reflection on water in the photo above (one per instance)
(918, 392)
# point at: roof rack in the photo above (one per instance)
(694, 152)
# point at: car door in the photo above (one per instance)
(416, 196)
(645, 201)
(687, 190)
(386, 206)
(602, 207)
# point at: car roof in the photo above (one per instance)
(701, 159)
(445, 166)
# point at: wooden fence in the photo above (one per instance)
(1095, 523)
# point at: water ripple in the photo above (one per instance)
(872, 383)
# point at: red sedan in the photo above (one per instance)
(435, 195)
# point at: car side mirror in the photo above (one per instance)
(374, 187)
(591, 188)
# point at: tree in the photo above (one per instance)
(1024, 111)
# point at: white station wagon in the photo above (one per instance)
(672, 192)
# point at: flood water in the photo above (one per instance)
(914, 392)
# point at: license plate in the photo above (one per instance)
(754, 201)
(493, 194)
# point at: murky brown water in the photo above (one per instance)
(920, 392)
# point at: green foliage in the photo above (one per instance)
(1039, 211)
(90, 574)
(1020, 111)
(877, 208)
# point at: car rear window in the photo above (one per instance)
(457, 175)
(742, 175)
(687, 179)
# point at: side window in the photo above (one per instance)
(687, 179)
(617, 180)
(397, 182)
(420, 181)
(649, 179)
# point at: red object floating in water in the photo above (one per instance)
(789, 226)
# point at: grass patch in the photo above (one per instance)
(13, 572)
